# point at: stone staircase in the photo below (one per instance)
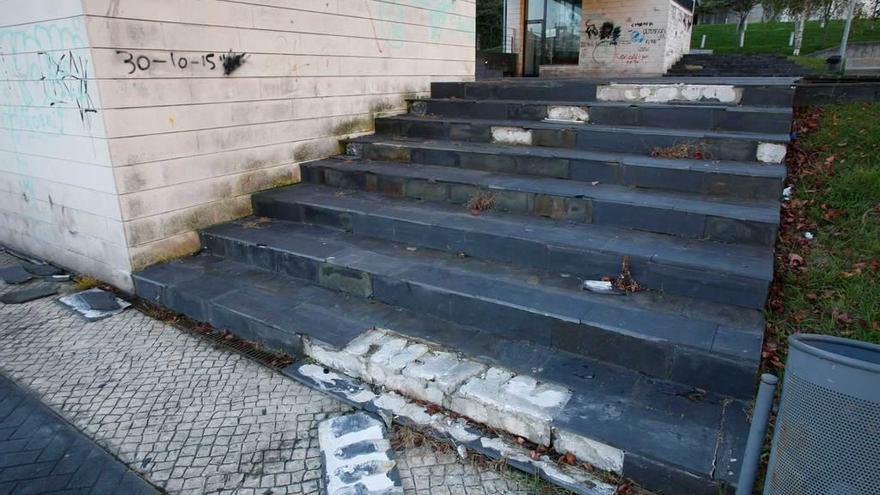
(473, 221)
(736, 64)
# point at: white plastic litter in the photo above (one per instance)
(600, 286)
(787, 192)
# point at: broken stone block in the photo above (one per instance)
(45, 270)
(15, 274)
(352, 359)
(357, 456)
(99, 300)
(25, 295)
(77, 302)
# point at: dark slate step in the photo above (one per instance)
(686, 215)
(713, 145)
(758, 91)
(745, 180)
(681, 116)
(740, 274)
(532, 306)
(672, 442)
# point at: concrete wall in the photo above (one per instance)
(628, 37)
(179, 143)
(57, 190)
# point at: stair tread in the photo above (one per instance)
(741, 260)
(620, 104)
(750, 169)
(764, 211)
(639, 130)
(610, 404)
(536, 291)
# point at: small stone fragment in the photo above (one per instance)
(100, 300)
(15, 274)
(24, 295)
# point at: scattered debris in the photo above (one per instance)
(80, 304)
(787, 192)
(462, 451)
(808, 236)
(30, 294)
(480, 202)
(15, 274)
(43, 270)
(625, 280)
(357, 454)
(100, 300)
(682, 151)
(600, 286)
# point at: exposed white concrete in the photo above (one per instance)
(495, 397)
(666, 93)
(598, 454)
(568, 113)
(511, 135)
(771, 152)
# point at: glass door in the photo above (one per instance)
(552, 34)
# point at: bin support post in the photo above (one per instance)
(752, 455)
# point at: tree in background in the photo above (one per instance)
(490, 24)
(739, 7)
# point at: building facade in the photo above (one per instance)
(570, 38)
(125, 125)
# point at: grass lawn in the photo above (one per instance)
(772, 37)
(830, 284)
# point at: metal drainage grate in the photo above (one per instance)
(228, 341)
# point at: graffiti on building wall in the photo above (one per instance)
(142, 62)
(606, 42)
(391, 26)
(45, 76)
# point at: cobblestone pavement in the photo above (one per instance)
(191, 417)
(41, 453)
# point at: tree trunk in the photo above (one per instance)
(740, 26)
(799, 32)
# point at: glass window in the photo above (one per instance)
(561, 32)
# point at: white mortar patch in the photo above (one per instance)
(357, 456)
(771, 152)
(596, 453)
(568, 114)
(511, 135)
(665, 93)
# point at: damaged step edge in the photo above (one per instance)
(395, 408)
(496, 397)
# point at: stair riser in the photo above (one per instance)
(605, 172)
(683, 117)
(561, 91)
(585, 210)
(656, 358)
(583, 138)
(583, 263)
(580, 92)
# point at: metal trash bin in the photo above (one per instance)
(827, 436)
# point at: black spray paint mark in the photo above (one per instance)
(232, 61)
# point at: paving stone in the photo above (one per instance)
(155, 396)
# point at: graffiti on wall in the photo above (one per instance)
(631, 43)
(45, 76)
(391, 23)
(143, 62)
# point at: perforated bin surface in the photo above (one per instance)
(826, 442)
